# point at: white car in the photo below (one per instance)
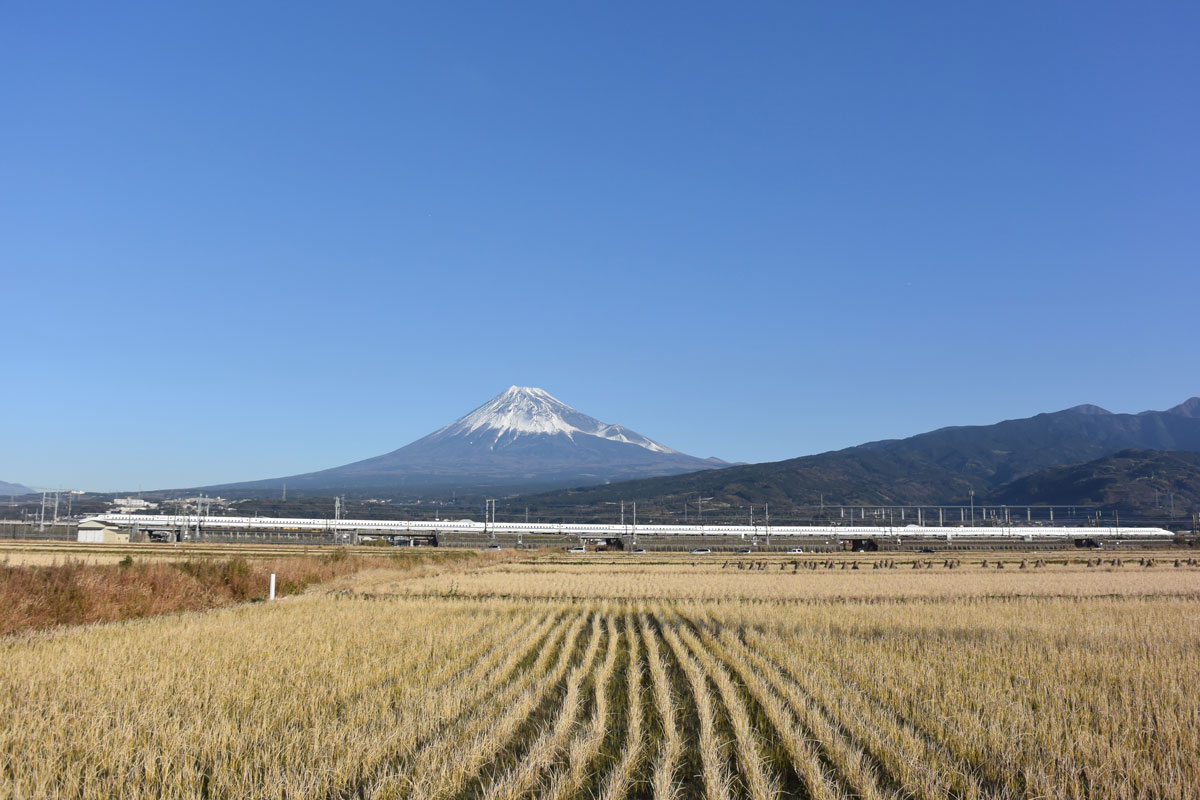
(637, 551)
(796, 550)
(701, 551)
(576, 549)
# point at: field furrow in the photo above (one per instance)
(618, 781)
(521, 778)
(718, 782)
(585, 745)
(903, 755)
(755, 773)
(443, 767)
(808, 743)
(456, 695)
(665, 768)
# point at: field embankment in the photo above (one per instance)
(67, 591)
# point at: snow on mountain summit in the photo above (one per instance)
(527, 410)
(519, 409)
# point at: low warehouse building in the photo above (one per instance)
(95, 531)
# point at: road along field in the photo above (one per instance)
(413, 694)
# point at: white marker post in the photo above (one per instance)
(272, 594)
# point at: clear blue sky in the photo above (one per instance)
(241, 240)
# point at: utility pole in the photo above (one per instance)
(489, 515)
(42, 515)
(972, 508)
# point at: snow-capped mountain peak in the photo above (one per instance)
(527, 410)
(523, 439)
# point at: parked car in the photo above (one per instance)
(701, 551)
(576, 549)
(796, 550)
(745, 551)
(637, 551)
(492, 547)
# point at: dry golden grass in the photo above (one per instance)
(935, 691)
(718, 578)
(70, 591)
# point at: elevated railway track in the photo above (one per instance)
(468, 533)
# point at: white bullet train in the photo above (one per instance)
(585, 530)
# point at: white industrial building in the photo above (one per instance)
(127, 504)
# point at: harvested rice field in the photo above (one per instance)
(596, 679)
(781, 578)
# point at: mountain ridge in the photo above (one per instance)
(942, 466)
(1133, 482)
(14, 488)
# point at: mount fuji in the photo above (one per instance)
(522, 438)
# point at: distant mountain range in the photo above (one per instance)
(521, 438)
(526, 441)
(939, 467)
(1145, 483)
(14, 488)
